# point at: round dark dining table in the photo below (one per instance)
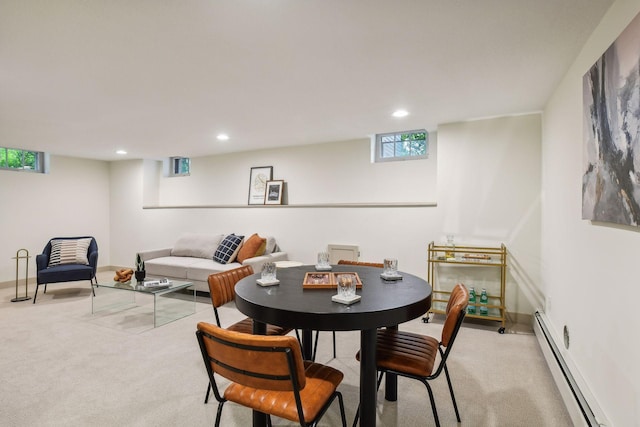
(383, 304)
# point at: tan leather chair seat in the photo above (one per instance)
(321, 381)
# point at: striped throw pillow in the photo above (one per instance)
(69, 251)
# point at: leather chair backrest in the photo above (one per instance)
(456, 307)
(222, 284)
(258, 361)
(366, 264)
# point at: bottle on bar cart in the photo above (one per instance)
(484, 300)
(471, 308)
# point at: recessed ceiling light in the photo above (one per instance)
(121, 152)
(400, 113)
(223, 137)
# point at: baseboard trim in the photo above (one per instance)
(580, 410)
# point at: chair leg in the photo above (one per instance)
(342, 414)
(453, 398)
(206, 398)
(219, 413)
(379, 380)
(92, 288)
(45, 288)
(334, 344)
(36, 294)
(357, 417)
(433, 403)
(315, 347)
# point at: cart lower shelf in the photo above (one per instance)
(500, 319)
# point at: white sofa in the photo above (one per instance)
(191, 259)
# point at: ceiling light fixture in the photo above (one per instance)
(223, 137)
(121, 152)
(400, 113)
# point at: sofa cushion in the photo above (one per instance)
(171, 266)
(253, 246)
(228, 249)
(69, 251)
(203, 268)
(196, 245)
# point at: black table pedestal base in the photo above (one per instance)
(368, 377)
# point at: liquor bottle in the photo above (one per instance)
(471, 308)
(450, 252)
(484, 300)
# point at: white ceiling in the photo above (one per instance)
(162, 78)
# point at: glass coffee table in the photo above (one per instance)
(171, 301)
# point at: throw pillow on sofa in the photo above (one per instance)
(252, 247)
(271, 245)
(228, 249)
(196, 245)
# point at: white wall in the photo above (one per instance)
(71, 200)
(589, 271)
(487, 192)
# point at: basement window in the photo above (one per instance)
(21, 160)
(405, 145)
(180, 166)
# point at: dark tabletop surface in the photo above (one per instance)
(383, 303)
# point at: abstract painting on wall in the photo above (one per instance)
(611, 96)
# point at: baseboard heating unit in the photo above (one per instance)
(577, 406)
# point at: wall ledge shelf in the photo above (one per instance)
(304, 205)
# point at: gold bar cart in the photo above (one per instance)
(475, 256)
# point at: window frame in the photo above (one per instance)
(378, 158)
(174, 169)
(39, 159)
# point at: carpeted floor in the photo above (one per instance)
(62, 366)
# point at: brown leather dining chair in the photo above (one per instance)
(414, 356)
(222, 291)
(268, 375)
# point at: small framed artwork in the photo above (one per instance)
(258, 179)
(274, 192)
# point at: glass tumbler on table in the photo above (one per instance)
(323, 259)
(268, 273)
(390, 266)
(346, 287)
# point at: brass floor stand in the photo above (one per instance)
(22, 254)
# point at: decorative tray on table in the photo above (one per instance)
(327, 280)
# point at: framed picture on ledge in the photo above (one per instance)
(258, 179)
(274, 192)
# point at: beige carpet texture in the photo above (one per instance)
(61, 365)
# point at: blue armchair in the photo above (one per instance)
(64, 260)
